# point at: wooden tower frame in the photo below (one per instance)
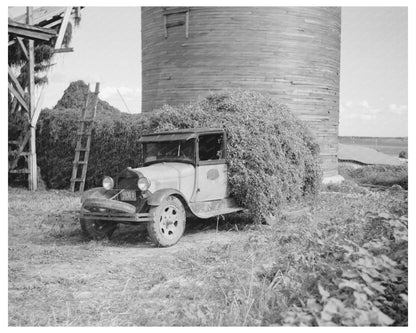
(23, 96)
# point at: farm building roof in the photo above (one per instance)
(364, 155)
(47, 17)
(30, 31)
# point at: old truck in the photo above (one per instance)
(184, 174)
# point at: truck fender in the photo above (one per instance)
(96, 192)
(157, 197)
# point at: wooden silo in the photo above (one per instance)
(290, 53)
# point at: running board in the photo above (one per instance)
(207, 209)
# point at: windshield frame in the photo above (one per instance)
(167, 159)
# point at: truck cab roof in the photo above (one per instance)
(179, 135)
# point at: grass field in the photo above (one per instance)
(390, 146)
(344, 263)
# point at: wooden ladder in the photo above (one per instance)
(82, 150)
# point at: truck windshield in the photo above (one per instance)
(181, 151)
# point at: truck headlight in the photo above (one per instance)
(108, 183)
(143, 184)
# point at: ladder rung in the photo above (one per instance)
(82, 149)
(80, 162)
(77, 180)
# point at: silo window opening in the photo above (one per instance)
(183, 13)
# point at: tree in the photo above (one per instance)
(403, 154)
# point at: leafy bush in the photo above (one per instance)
(385, 175)
(346, 186)
(113, 143)
(273, 159)
(114, 146)
(344, 266)
(363, 283)
(75, 97)
(403, 154)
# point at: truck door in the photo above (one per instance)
(211, 168)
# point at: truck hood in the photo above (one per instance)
(168, 175)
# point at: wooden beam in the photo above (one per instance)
(15, 103)
(17, 95)
(29, 31)
(16, 82)
(35, 117)
(62, 29)
(53, 24)
(175, 24)
(32, 163)
(178, 10)
(28, 34)
(22, 146)
(41, 14)
(23, 47)
(64, 50)
(78, 12)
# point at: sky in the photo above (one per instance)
(374, 69)
(373, 79)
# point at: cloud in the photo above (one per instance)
(363, 118)
(110, 92)
(361, 110)
(398, 109)
(131, 96)
(364, 104)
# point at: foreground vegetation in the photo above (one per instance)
(344, 263)
(378, 175)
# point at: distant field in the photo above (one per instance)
(391, 146)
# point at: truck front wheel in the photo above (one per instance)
(97, 229)
(168, 223)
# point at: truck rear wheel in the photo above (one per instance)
(97, 229)
(168, 224)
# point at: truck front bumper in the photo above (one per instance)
(104, 209)
(116, 217)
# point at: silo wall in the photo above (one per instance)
(289, 53)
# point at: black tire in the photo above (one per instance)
(168, 224)
(92, 204)
(97, 229)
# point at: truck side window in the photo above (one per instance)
(211, 147)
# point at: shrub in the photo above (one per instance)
(385, 175)
(403, 154)
(273, 160)
(114, 146)
(346, 186)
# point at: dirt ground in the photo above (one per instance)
(58, 277)
(221, 273)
